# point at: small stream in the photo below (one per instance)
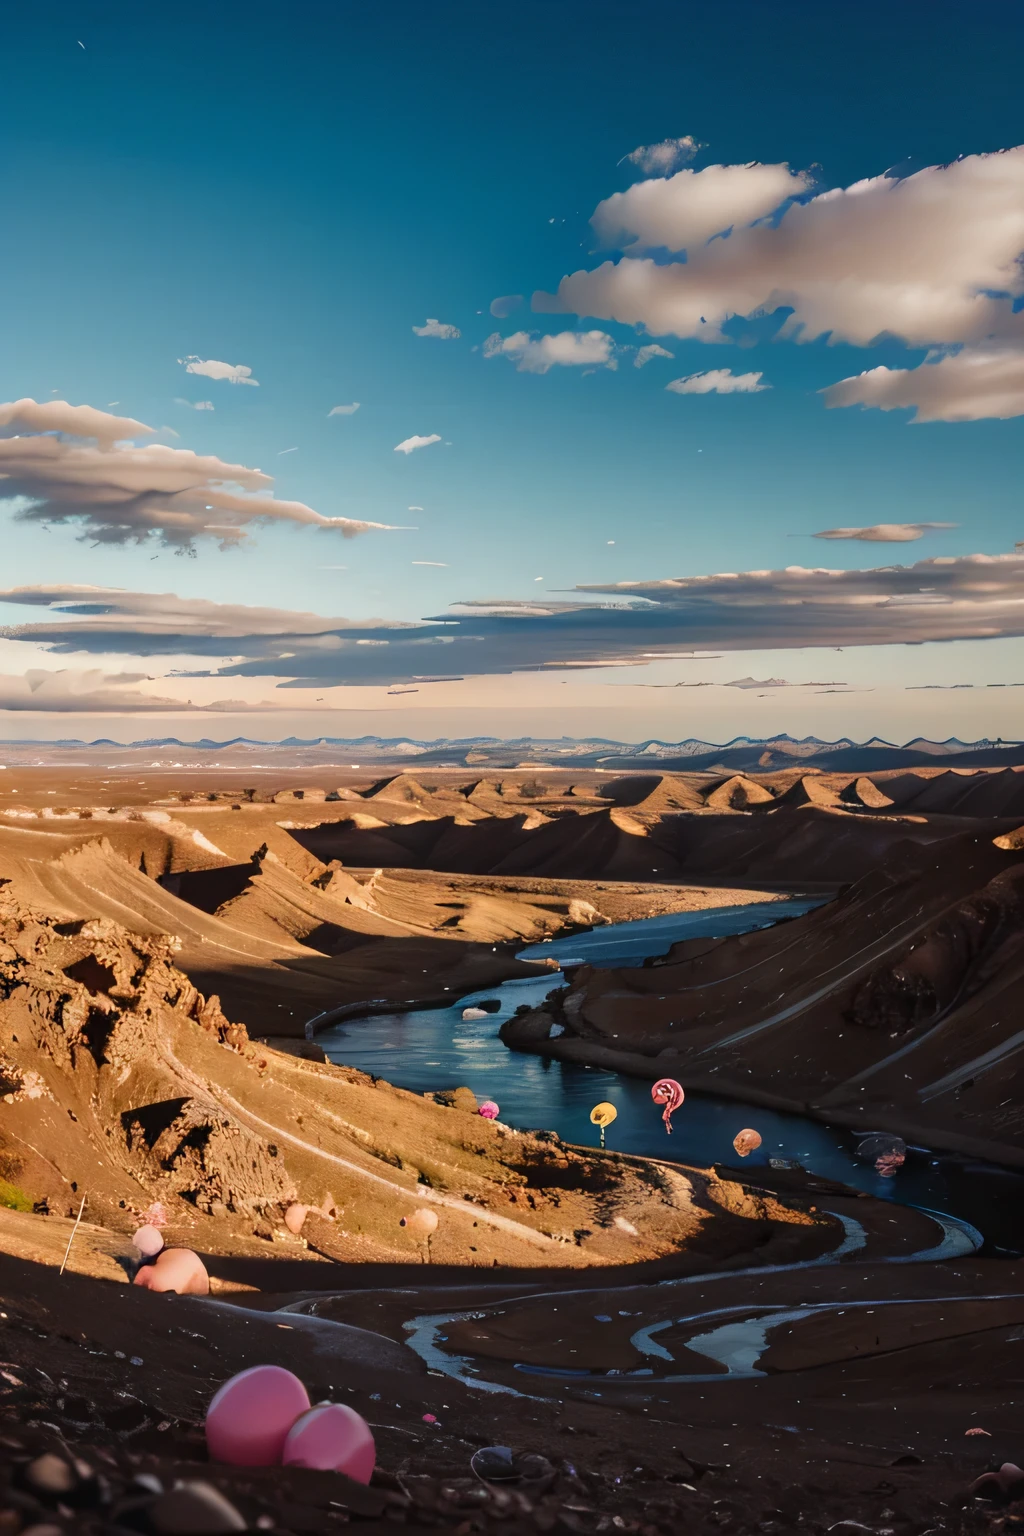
(435, 1048)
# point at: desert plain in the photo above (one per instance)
(740, 1345)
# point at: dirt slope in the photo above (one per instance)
(122, 1082)
(894, 1002)
(269, 978)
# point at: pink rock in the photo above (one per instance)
(148, 1241)
(489, 1109)
(422, 1222)
(176, 1269)
(249, 1417)
(332, 1438)
(294, 1216)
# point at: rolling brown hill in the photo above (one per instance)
(895, 1003)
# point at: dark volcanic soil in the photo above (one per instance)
(864, 1415)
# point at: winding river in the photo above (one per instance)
(435, 1048)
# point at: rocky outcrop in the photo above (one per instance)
(121, 1083)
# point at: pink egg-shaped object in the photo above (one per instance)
(148, 1241)
(176, 1269)
(294, 1216)
(332, 1437)
(489, 1109)
(249, 1417)
(747, 1141)
(422, 1221)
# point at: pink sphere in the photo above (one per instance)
(332, 1438)
(489, 1109)
(294, 1217)
(250, 1416)
(422, 1222)
(148, 1241)
(176, 1269)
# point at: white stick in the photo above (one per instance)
(74, 1229)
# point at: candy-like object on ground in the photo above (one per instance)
(422, 1222)
(148, 1241)
(668, 1092)
(331, 1437)
(249, 1417)
(176, 1269)
(294, 1217)
(489, 1109)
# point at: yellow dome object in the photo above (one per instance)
(602, 1115)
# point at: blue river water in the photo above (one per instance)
(434, 1048)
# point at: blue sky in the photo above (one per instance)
(293, 191)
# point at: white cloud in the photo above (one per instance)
(684, 211)
(344, 410)
(754, 682)
(970, 385)
(664, 158)
(121, 494)
(536, 354)
(646, 353)
(410, 444)
(89, 691)
(194, 405)
(718, 381)
(924, 258)
(503, 307)
(94, 617)
(884, 533)
(435, 328)
(234, 373)
(441, 564)
(83, 421)
(415, 509)
(945, 598)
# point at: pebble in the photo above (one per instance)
(50, 1474)
(532, 1467)
(194, 1509)
(146, 1482)
(494, 1464)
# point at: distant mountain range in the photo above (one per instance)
(743, 754)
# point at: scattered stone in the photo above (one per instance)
(194, 1509)
(51, 1475)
